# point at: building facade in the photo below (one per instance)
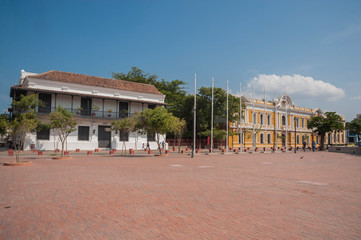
(276, 124)
(94, 101)
(352, 138)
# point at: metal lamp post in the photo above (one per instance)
(295, 119)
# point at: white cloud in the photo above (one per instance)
(357, 98)
(296, 85)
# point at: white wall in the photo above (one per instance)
(73, 142)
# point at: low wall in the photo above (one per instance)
(356, 150)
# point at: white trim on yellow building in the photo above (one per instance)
(264, 121)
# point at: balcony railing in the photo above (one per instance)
(87, 113)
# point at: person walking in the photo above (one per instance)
(163, 144)
(148, 148)
(313, 145)
(304, 146)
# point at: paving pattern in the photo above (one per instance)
(235, 196)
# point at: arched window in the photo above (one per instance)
(261, 119)
(334, 137)
(283, 120)
(298, 139)
(268, 120)
(254, 118)
(303, 123)
(261, 138)
(269, 138)
(342, 140)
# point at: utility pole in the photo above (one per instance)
(194, 116)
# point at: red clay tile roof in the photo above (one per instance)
(19, 88)
(96, 81)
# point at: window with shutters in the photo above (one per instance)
(43, 134)
(83, 133)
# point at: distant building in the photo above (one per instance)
(94, 101)
(277, 124)
(354, 138)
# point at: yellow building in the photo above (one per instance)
(278, 124)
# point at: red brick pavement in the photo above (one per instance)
(245, 196)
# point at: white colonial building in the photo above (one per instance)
(94, 101)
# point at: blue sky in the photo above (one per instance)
(308, 49)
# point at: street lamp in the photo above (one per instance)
(295, 119)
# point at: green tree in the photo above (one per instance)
(125, 126)
(63, 123)
(354, 126)
(26, 104)
(330, 122)
(158, 121)
(4, 122)
(204, 105)
(173, 90)
(177, 128)
(19, 128)
(23, 122)
(218, 134)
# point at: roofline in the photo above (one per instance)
(108, 79)
(17, 87)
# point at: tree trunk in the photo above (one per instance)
(62, 148)
(160, 150)
(125, 147)
(322, 142)
(17, 153)
(179, 145)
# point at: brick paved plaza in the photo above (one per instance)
(246, 196)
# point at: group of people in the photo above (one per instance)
(313, 146)
(148, 146)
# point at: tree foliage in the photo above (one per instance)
(173, 90)
(330, 122)
(204, 105)
(125, 126)
(217, 134)
(23, 122)
(158, 121)
(178, 127)
(4, 122)
(26, 104)
(354, 126)
(63, 123)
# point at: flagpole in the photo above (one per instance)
(240, 116)
(286, 128)
(212, 116)
(254, 141)
(265, 138)
(227, 120)
(194, 115)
